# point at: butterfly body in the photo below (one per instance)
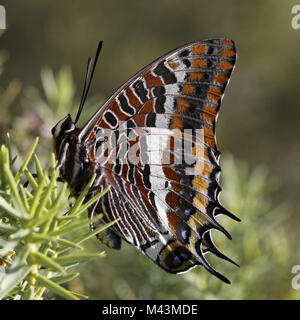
(154, 142)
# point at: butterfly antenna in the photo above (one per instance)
(84, 88)
(88, 80)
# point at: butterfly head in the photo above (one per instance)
(65, 133)
(63, 128)
(66, 125)
(68, 150)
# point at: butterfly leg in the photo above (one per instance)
(107, 236)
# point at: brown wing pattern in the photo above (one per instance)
(166, 209)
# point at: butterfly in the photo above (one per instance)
(153, 141)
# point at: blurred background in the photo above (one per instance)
(43, 55)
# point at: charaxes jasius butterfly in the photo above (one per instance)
(164, 194)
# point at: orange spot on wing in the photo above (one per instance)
(173, 65)
(224, 65)
(198, 63)
(220, 79)
(200, 218)
(199, 49)
(188, 89)
(182, 104)
(200, 151)
(210, 110)
(202, 168)
(200, 202)
(195, 76)
(209, 136)
(208, 113)
(227, 53)
(177, 123)
(208, 118)
(207, 170)
(214, 94)
(200, 184)
(226, 42)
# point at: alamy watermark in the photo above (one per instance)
(2, 17)
(152, 146)
(296, 19)
(296, 279)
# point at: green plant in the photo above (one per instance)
(39, 244)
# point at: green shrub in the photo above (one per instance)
(39, 244)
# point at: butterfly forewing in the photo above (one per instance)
(154, 142)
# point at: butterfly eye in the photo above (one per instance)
(63, 126)
(68, 125)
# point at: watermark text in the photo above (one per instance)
(2, 17)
